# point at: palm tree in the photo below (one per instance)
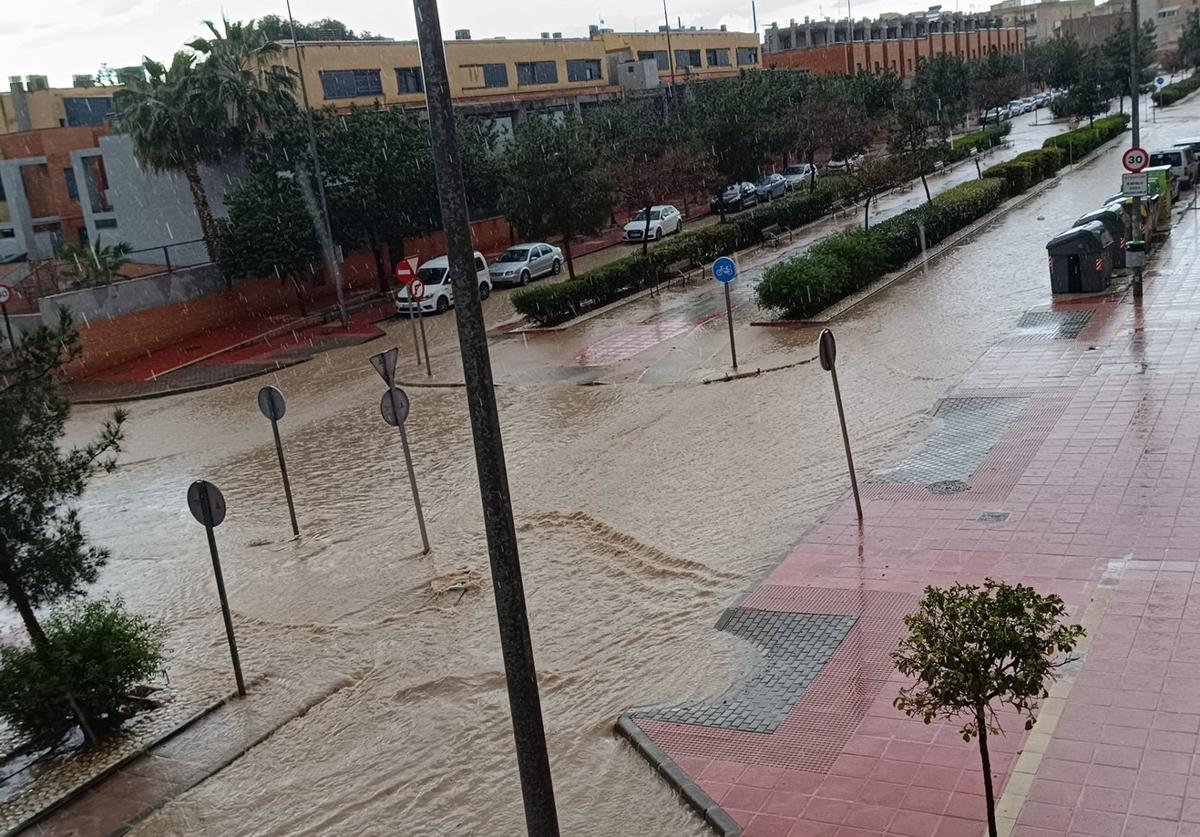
(192, 113)
(88, 265)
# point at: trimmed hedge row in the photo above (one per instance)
(1026, 169)
(1083, 140)
(849, 261)
(1172, 93)
(549, 304)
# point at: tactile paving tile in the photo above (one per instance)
(1037, 326)
(969, 429)
(833, 705)
(795, 646)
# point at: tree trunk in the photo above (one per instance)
(16, 594)
(867, 213)
(299, 296)
(646, 232)
(567, 255)
(928, 197)
(812, 172)
(380, 268)
(208, 227)
(989, 794)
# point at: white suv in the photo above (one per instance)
(438, 295)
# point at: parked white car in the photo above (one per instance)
(800, 174)
(847, 166)
(438, 296)
(664, 220)
(517, 265)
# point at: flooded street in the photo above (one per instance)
(643, 507)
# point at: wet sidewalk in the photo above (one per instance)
(1065, 459)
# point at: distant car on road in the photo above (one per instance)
(736, 196)
(800, 174)
(438, 295)
(517, 265)
(1177, 159)
(772, 186)
(844, 166)
(664, 220)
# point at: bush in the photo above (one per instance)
(99, 654)
(549, 304)
(848, 261)
(959, 148)
(1017, 176)
(1172, 93)
(1079, 142)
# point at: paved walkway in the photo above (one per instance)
(1066, 459)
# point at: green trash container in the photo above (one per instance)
(1113, 218)
(1081, 259)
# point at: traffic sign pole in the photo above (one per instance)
(272, 405)
(394, 407)
(416, 293)
(424, 343)
(405, 273)
(412, 476)
(208, 507)
(725, 271)
(1135, 81)
(828, 356)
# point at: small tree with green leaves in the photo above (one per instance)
(551, 181)
(970, 647)
(89, 265)
(45, 559)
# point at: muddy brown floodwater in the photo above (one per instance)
(642, 510)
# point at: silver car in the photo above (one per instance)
(517, 265)
(772, 186)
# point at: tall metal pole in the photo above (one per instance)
(1135, 125)
(327, 231)
(670, 52)
(729, 318)
(412, 474)
(533, 759)
(287, 485)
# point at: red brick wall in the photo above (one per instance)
(46, 186)
(847, 58)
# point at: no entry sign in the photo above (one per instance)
(406, 270)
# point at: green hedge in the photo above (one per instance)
(848, 261)
(1026, 169)
(1172, 93)
(959, 148)
(1083, 140)
(551, 303)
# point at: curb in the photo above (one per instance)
(720, 822)
(847, 303)
(96, 779)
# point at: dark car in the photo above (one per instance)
(735, 197)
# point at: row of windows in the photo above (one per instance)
(689, 58)
(970, 54)
(353, 84)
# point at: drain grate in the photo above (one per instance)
(795, 647)
(993, 517)
(969, 428)
(1040, 326)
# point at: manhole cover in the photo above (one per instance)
(993, 517)
(947, 487)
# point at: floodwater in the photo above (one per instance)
(643, 510)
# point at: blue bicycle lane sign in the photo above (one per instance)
(724, 269)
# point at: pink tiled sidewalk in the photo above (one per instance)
(1098, 478)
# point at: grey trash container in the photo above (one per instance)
(1113, 218)
(1081, 259)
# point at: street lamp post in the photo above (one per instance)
(326, 230)
(533, 759)
(1135, 125)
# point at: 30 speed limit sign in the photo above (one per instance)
(1135, 159)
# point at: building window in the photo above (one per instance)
(350, 84)
(537, 72)
(72, 186)
(583, 70)
(495, 75)
(106, 223)
(910, 66)
(747, 56)
(719, 57)
(87, 110)
(876, 67)
(685, 58)
(408, 80)
(659, 55)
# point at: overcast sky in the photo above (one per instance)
(59, 38)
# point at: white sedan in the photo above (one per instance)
(437, 296)
(664, 220)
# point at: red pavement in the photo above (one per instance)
(1097, 474)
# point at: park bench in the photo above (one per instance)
(773, 234)
(676, 271)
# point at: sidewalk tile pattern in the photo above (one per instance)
(1092, 485)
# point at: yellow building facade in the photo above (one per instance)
(59, 107)
(501, 70)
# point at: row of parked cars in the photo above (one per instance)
(1019, 106)
(518, 265)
